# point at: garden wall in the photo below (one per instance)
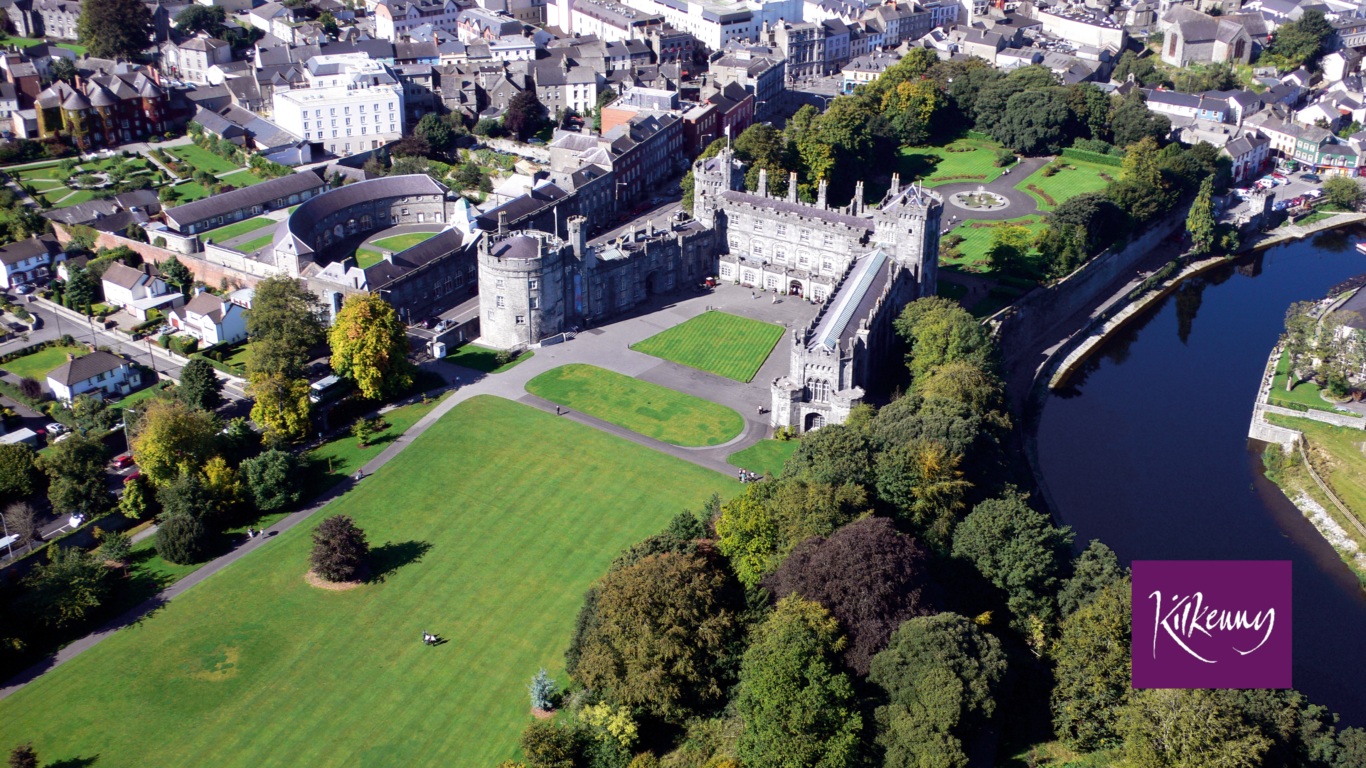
(204, 271)
(1029, 319)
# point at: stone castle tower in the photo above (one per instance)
(522, 285)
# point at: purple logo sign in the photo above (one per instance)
(1211, 624)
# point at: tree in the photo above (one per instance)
(201, 18)
(542, 687)
(271, 478)
(329, 23)
(76, 478)
(939, 331)
(436, 131)
(759, 527)
(834, 455)
(1093, 670)
(1018, 550)
(941, 676)
(487, 127)
(977, 437)
(911, 108)
(224, 486)
(176, 273)
(62, 69)
(370, 346)
(1094, 569)
(23, 756)
(1301, 325)
(285, 321)
(1009, 248)
(1301, 41)
(1342, 192)
(966, 382)
(659, 637)
(1034, 122)
(138, 500)
(548, 745)
(114, 29)
(922, 481)
(411, 146)
(70, 587)
(22, 520)
(20, 477)
(171, 438)
(1175, 728)
(282, 405)
(1132, 121)
(181, 539)
(799, 709)
(525, 114)
(30, 388)
(1200, 220)
(186, 495)
(867, 575)
(83, 289)
(92, 414)
(200, 387)
(339, 549)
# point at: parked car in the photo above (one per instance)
(1315, 193)
(1265, 183)
(55, 428)
(132, 477)
(123, 462)
(1310, 176)
(536, 141)
(24, 289)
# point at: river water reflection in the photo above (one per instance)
(1147, 450)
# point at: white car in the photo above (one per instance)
(55, 428)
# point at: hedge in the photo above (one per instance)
(224, 367)
(1093, 157)
(981, 136)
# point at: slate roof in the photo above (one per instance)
(124, 276)
(27, 249)
(205, 304)
(517, 247)
(835, 217)
(86, 367)
(523, 205)
(425, 252)
(228, 202)
(301, 222)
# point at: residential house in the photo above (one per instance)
(98, 373)
(211, 319)
(1250, 155)
(137, 290)
(191, 59)
(29, 260)
(106, 110)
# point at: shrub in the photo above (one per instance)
(1004, 158)
(339, 549)
(271, 479)
(30, 388)
(181, 539)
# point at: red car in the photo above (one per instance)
(132, 477)
(123, 462)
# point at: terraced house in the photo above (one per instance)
(107, 110)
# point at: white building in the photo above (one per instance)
(603, 18)
(28, 260)
(395, 19)
(192, 59)
(98, 373)
(211, 319)
(715, 24)
(137, 291)
(352, 104)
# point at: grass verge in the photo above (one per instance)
(485, 359)
(766, 457)
(716, 342)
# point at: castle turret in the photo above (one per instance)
(792, 187)
(820, 196)
(762, 189)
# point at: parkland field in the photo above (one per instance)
(486, 531)
(640, 406)
(716, 342)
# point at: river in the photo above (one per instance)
(1147, 451)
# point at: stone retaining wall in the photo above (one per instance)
(204, 271)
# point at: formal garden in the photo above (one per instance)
(251, 656)
(1065, 178)
(648, 409)
(716, 342)
(960, 160)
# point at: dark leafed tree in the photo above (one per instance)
(271, 479)
(114, 29)
(199, 386)
(1093, 675)
(285, 321)
(525, 114)
(76, 478)
(23, 756)
(339, 549)
(62, 68)
(30, 388)
(412, 145)
(867, 575)
(436, 131)
(834, 455)
(942, 676)
(1095, 568)
(181, 539)
(201, 18)
(68, 588)
(659, 637)
(175, 271)
(19, 475)
(797, 704)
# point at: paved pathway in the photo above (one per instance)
(605, 347)
(1021, 203)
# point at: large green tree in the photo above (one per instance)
(271, 478)
(76, 477)
(1035, 122)
(1189, 728)
(1095, 569)
(1200, 220)
(284, 322)
(921, 480)
(20, 477)
(940, 331)
(941, 676)
(660, 637)
(200, 387)
(1019, 550)
(758, 528)
(68, 588)
(1343, 192)
(370, 346)
(835, 455)
(799, 708)
(525, 114)
(114, 29)
(1301, 41)
(172, 438)
(1093, 670)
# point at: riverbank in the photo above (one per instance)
(1290, 232)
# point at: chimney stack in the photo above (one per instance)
(792, 187)
(503, 222)
(763, 183)
(858, 199)
(896, 183)
(820, 196)
(70, 357)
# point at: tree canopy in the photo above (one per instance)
(939, 331)
(285, 321)
(114, 29)
(200, 387)
(761, 526)
(370, 346)
(340, 549)
(171, 438)
(76, 479)
(1093, 670)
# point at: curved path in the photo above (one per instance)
(605, 347)
(1021, 203)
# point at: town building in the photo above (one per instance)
(866, 69)
(138, 290)
(760, 70)
(211, 319)
(863, 264)
(29, 260)
(1192, 37)
(396, 19)
(190, 60)
(351, 104)
(106, 110)
(604, 19)
(211, 212)
(98, 373)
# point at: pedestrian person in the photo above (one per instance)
(557, 410)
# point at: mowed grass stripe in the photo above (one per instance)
(727, 345)
(649, 409)
(522, 512)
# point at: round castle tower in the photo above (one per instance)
(521, 287)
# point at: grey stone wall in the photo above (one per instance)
(522, 301)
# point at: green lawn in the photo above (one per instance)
(26, 42)
(402, 242)
(766, 457)
(257, 244)
(224, 234)
(716, 342)
(1078, 177)
(367, 258)
(240, 355)
(143, 394)
(340, 458)
(491, 547)
(1305, 393)
(484, 359)
(947, 290)
(201, 159)
(189, 192)
(41, 172)
(244, 178)
(40, 363)
(649, 409)
(940, 165)
(62, 197)
(1340, 458)
(977, 239)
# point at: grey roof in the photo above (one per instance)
(246, 197)
(425, 252)
(420, 50)
(854, 301)
(523, 205)
(206, 303)
(124, 276)
(300, 223)
(86, 367)
(27, 249)
(517, 247)
(834, 217)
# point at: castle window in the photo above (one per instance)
(532, 285)
(803, 262)
(804, 235)
(780, 255)
(498, 283)
(758, 250)
(758, 225)
(498, 302)
(535, 302)
(827, 266)
(829, 241)
(725, 270)
(521, 319)
(782, 230)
